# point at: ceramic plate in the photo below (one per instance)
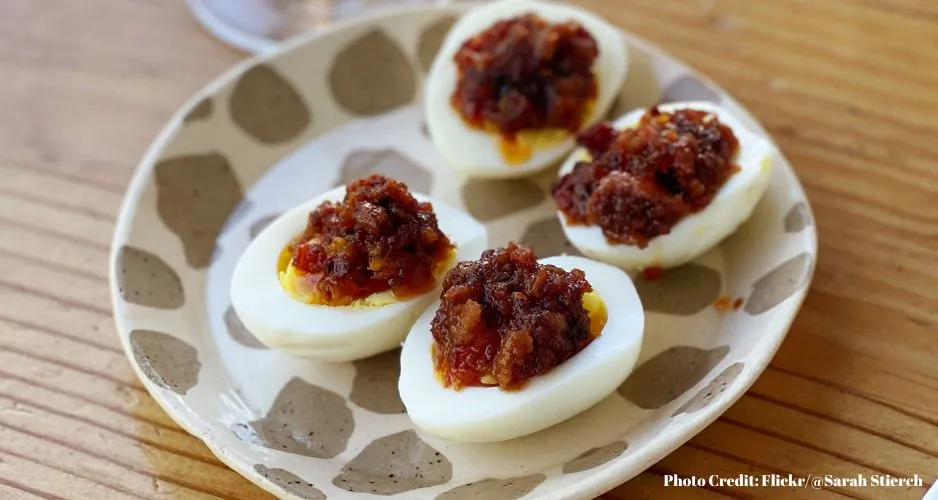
(277, 130)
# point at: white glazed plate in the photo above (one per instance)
(278, 130)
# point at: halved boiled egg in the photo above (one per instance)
(286, 308)
(515, 80)
(700, 229)
(495, 407)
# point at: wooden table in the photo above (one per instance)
(847, 87)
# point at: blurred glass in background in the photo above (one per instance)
(259, 25)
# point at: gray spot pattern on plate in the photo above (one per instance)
(195, 195)
(712, 390)
(488, 199)
(239, 332)
(684, 290)
(797, 218)
(779, 284)
(641, 88)
(261, 224)
(146, 280)
(266, 107)
(394, 464)
(511, 488)
(165, 360)
(372, 75)
(201, 111)
(431, 39)
(590, 459)
(688, 88)
(547, 238)
(670, 374)
(387, 162)
(291, 483)
(375, 385)
(305, 419)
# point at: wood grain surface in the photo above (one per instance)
(847, 87)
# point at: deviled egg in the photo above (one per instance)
(661, 187)
(516, 345)
(515, 80)
(345, 275)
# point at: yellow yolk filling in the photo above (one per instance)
(294, 281)
(522, 148)
(596, 309)
(527, 141)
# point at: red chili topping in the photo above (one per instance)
(642, 181)
(653, 273)
(505, 318)
(525, 73)
(378, 238)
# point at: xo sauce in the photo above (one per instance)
(643, 180)
(379, 238)
(526, 74)
(507, 318)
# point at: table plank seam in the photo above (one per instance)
(52, 172)
(809, 445)
(846, 423)
(73, 209)
(852, 392)
(77, 368)
(56, 333)
(165, 427)
(27, 489)
(776, 470)
(54, 234)
(130, 467)
(106, 312)
(892, 8)
(816, 53)
(212, 462)
(780, 110)
(113, 487)
(704, 49)
(57, 266)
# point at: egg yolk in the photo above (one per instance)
(522, 147)
(596, 309)
(302, 286)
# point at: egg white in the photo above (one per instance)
(477, 153)
(697, 233)
(332, 333)
(488, 414)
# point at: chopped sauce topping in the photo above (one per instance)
(641, 181)
(653, 273)
(378, 238)
(526, 74)
(506, 318)
(723, 303)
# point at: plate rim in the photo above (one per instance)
(601, 479)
